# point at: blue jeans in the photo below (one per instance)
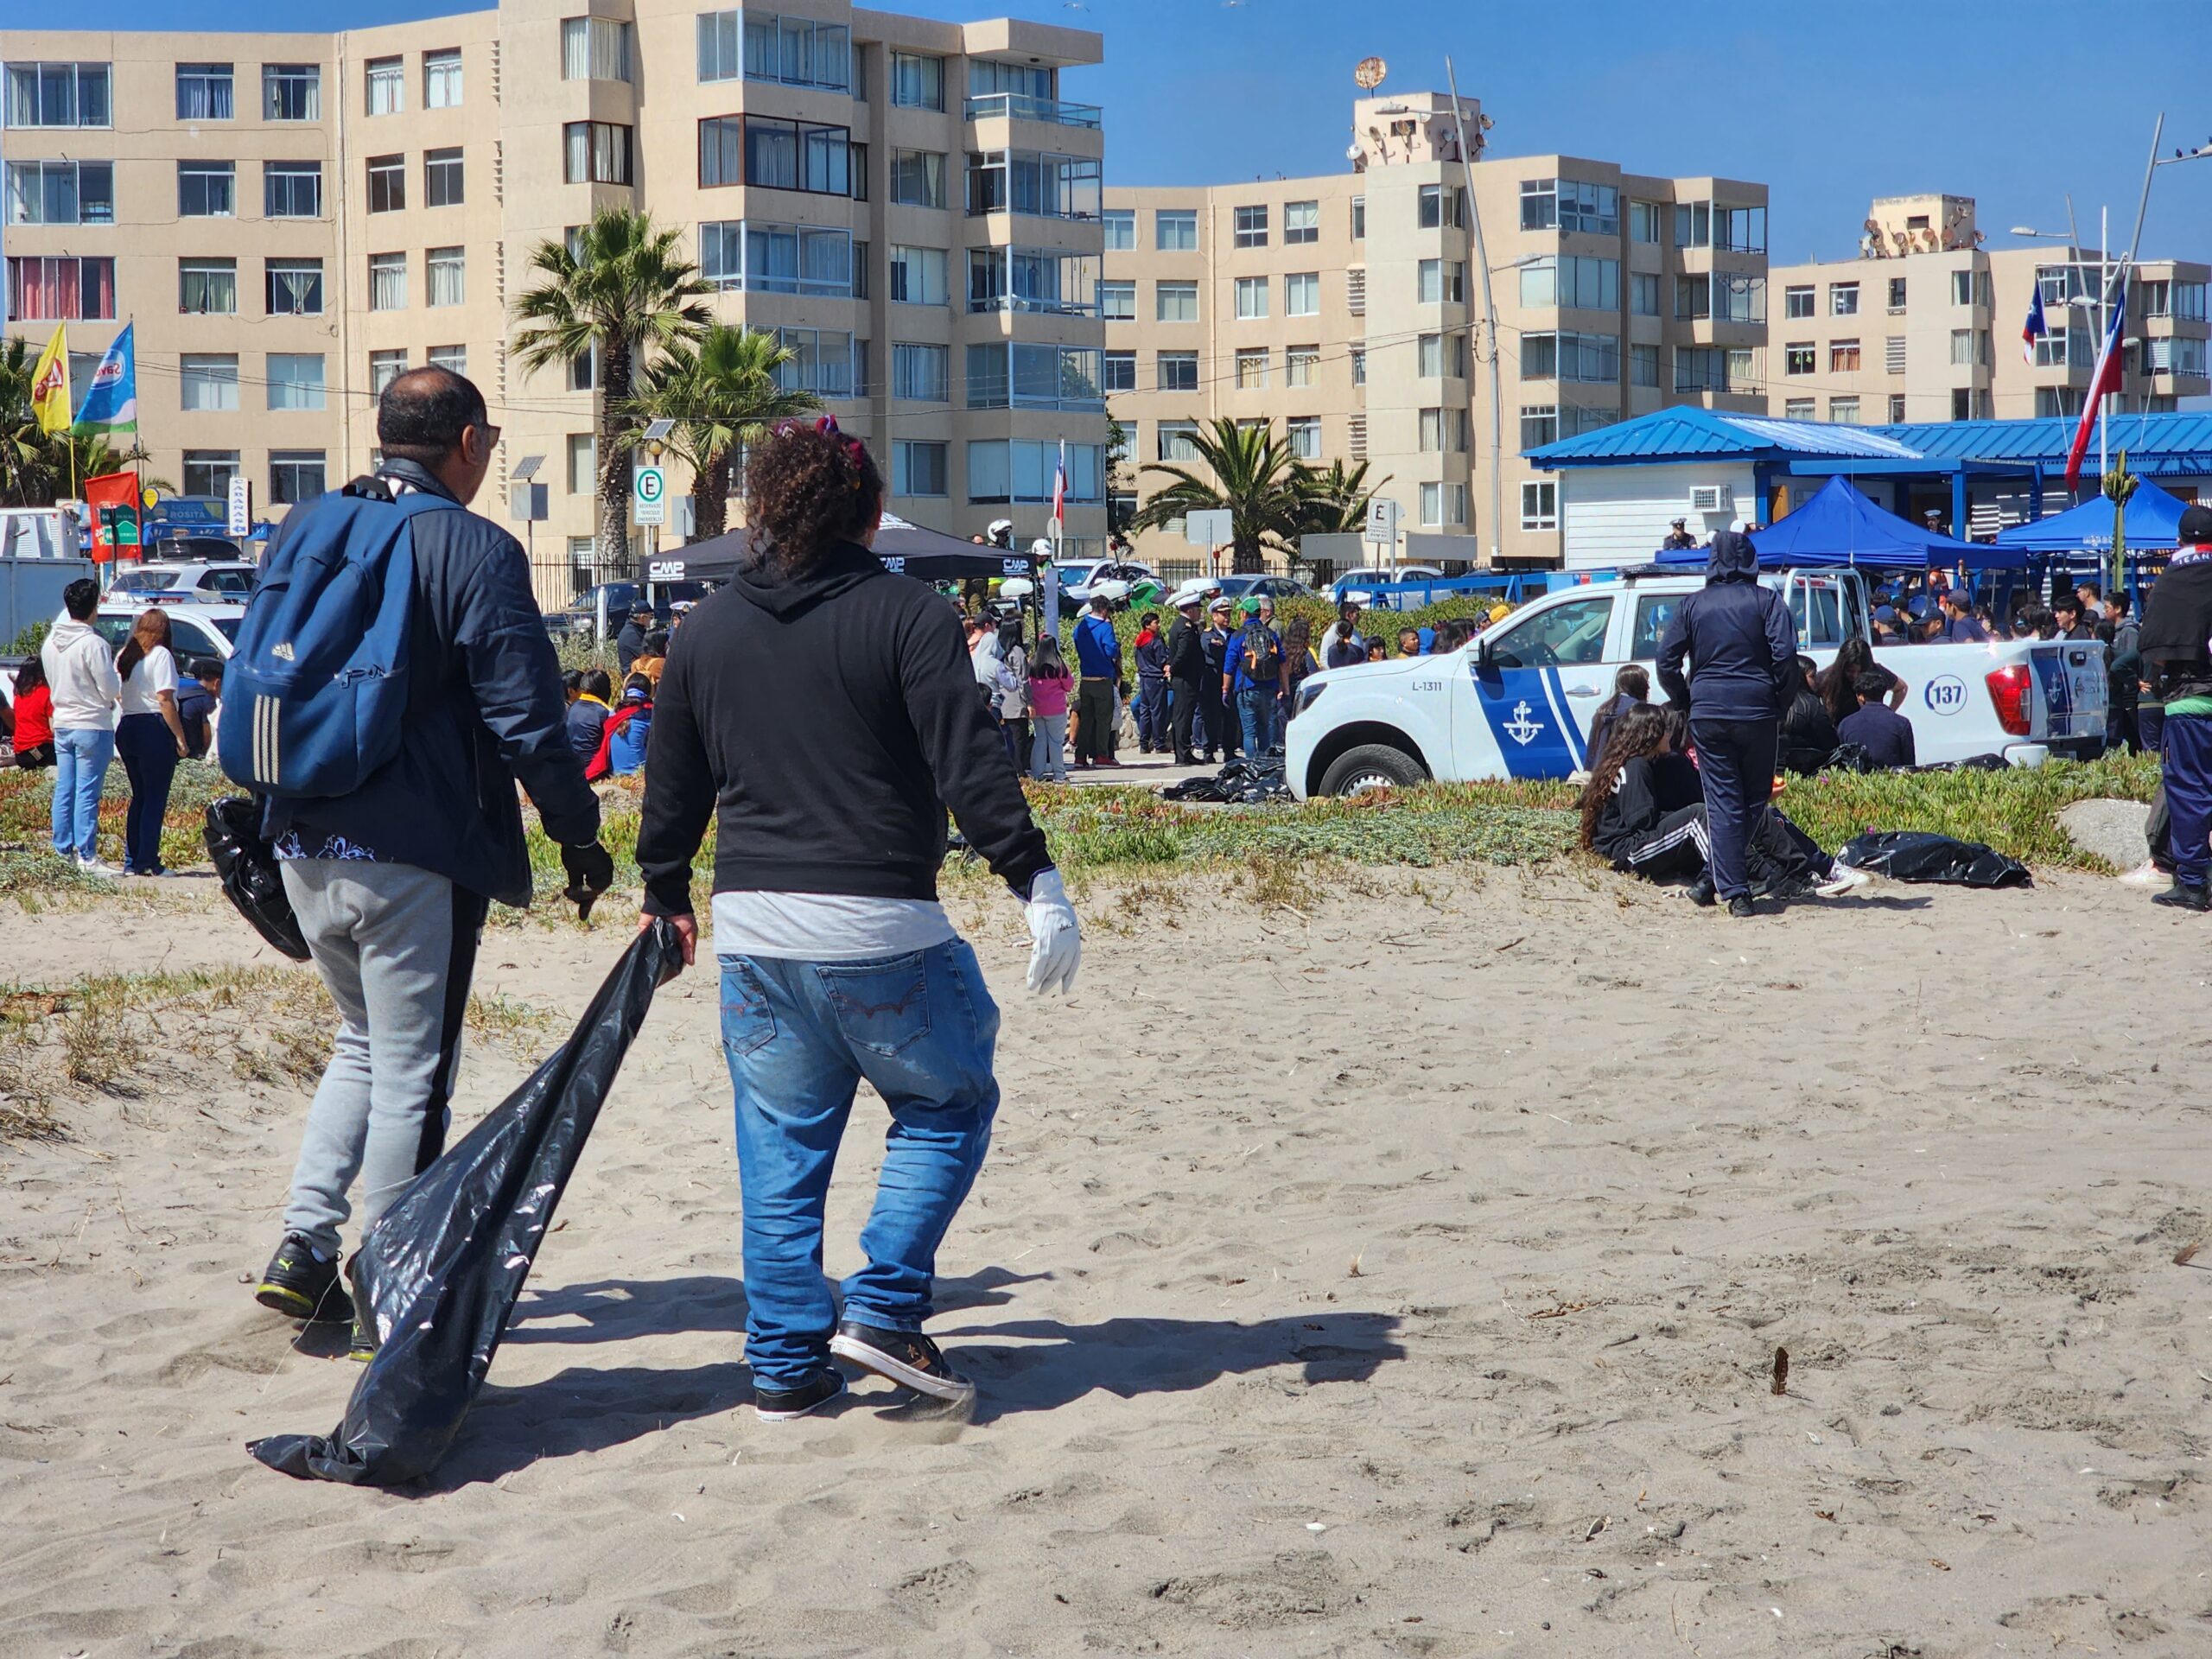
(799, 1036)
(80, 758)
(1256, 712)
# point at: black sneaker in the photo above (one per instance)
(785, 1405)
(1701, 893)
(302, 1284)
(907, 1358)
(363, 1348)
(1741, 906)
(2182, 896)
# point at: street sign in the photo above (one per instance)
(1383, 522)
(1214, 527)
(648, 494)
(240, 520)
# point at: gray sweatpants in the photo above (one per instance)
(396, 947)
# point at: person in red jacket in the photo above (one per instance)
(34, 711)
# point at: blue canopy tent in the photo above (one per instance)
(2153, 521)
(1839, 526)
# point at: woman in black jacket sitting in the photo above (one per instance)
(1807, 736)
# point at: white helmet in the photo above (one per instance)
(1042, 547)
(1016, 588)
(1000, 527)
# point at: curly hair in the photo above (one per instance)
(808, 488)
(1639, 731)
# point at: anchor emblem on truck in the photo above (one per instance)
(1521, 729)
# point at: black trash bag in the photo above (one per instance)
(1247, 781)
(251, 878)
(1915, 855)
(440, 1272)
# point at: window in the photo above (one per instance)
(1178, 371)
(1644, 221)
(2052, 401)
(1301, 294)
(441, 184)
(295, 476)
(208, 287)
(1302, 223)
(1643, 294)
(1251, 227)
(1708, 368)
(2062, 285)
(773, 155)
(761, 46)
(921, 373)
(1539, 425)
(1443, 504)
(821, 362)
(918, 276)
(1175, 230)
(386, 91)
(1707, 224)
(207, 382)
(1797, 301)
(60, 193)
(387, 282)
(1304, 433)
(987, 77)
(1843, 357)
(452, 359)
(293, 287)
(1962, 354)
(58, 95)
(2188, 301)
(1442, 355)
(445, 275)
(1359, 366)
(1121, 372)
(583, 370)
(385, 367)
(595, 49)
(203, 92)
(1439, 207)
(722, 47)
(1252, 370)
(1843, 298)
(441, 79)
(1121, 226)
(1643, 365)
(1540, 510)
(1573, 280)
(295, 380)
(595, 152)
(1251, 297)
(1029, 181)
(1443, 431)
(1570, 204)
(1359, 218)
(1539, 203)
(209, 472)
(1844, 411)
(1302, 365)
(917, 178)
(1176, 302)
(291, 92)
(919, 468)
(584, 463)
(1801, 357)
(916, 82)
(1897, 408)
(1442, 281)
(207, 189)
(1023, 471)
(60, 290)
(1564, 356)
(770, 258)
(291, 189)
(1800, 409)
(387, 183)
(1117, 301)
(1738, 297)
(1177, 440)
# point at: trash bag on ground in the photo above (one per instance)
(1246, 782)
(440, 1272)
(1916, 855)
(251, 880)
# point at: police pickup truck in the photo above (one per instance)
(1517, 701)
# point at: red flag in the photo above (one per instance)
(2106, 380)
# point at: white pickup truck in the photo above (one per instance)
(1517, 701)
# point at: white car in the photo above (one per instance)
(1517, 701)
(196, 629)
(1360, 585)
(1079, 577)
(219, 581)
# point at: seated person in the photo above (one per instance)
(622, 745)
(588, 714)
(1377, 651)
(196, 697)
(1807, 736)
(1631, 686)
(1883, 733)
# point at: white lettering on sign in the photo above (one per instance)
(665, 570)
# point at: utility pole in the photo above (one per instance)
(1490, 313)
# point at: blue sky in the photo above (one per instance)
(2014, 102)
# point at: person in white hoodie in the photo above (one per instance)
(80, 669)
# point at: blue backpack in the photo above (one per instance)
(315, 695)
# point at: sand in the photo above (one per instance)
(1401, 1277)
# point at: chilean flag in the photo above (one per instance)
(1060, 486)
(2104, 382)
(2037, 328)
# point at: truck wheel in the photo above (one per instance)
(1371, 765)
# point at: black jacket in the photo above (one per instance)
(1650, 787)
(1807, 736)
(2177, 622)
(1742, 648)
(629, 646)
(1187, 651)
(825, 723)
(485, 710)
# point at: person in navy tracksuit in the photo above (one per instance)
(1742, 657)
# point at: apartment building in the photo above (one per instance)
(1926, 325)
(292, 219)
(1347, 310)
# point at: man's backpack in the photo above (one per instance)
(1262, 656)
(315, 696)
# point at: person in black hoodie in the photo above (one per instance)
(1187, 672)
(822, 712)
(1808, 733)
(2177, 664)
(1743, 655)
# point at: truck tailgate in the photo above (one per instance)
(2072, 691)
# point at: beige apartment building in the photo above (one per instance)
(291, 219)
(1347, 310)
(1926, 325)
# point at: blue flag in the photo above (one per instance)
(111, 401)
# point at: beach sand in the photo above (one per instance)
(1401, 1276)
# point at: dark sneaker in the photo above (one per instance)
(785, 1405)
(1741, 906)
(1701, 893)
(2182, 896)
(302, 1284)
(363, 1348)
(907, 1358)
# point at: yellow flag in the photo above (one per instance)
(50, 398)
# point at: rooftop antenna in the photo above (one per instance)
(1369, 73)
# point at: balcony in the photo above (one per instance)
(1021, 106)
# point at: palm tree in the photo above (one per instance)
(22, 445)
(624, 289)
(722, 390)
(1255, 480)
(1336, 501)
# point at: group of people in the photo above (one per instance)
(609, 739)
(81, 703)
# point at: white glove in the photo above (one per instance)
(1056, 945)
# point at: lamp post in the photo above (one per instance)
(1489, 312)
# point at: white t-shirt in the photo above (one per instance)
(155, 674)
(825, 926)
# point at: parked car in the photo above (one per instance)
(1278, 588)
(197, 628)
(1361, 585)
(580, 620)
(1080, 576)
(227, 581)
